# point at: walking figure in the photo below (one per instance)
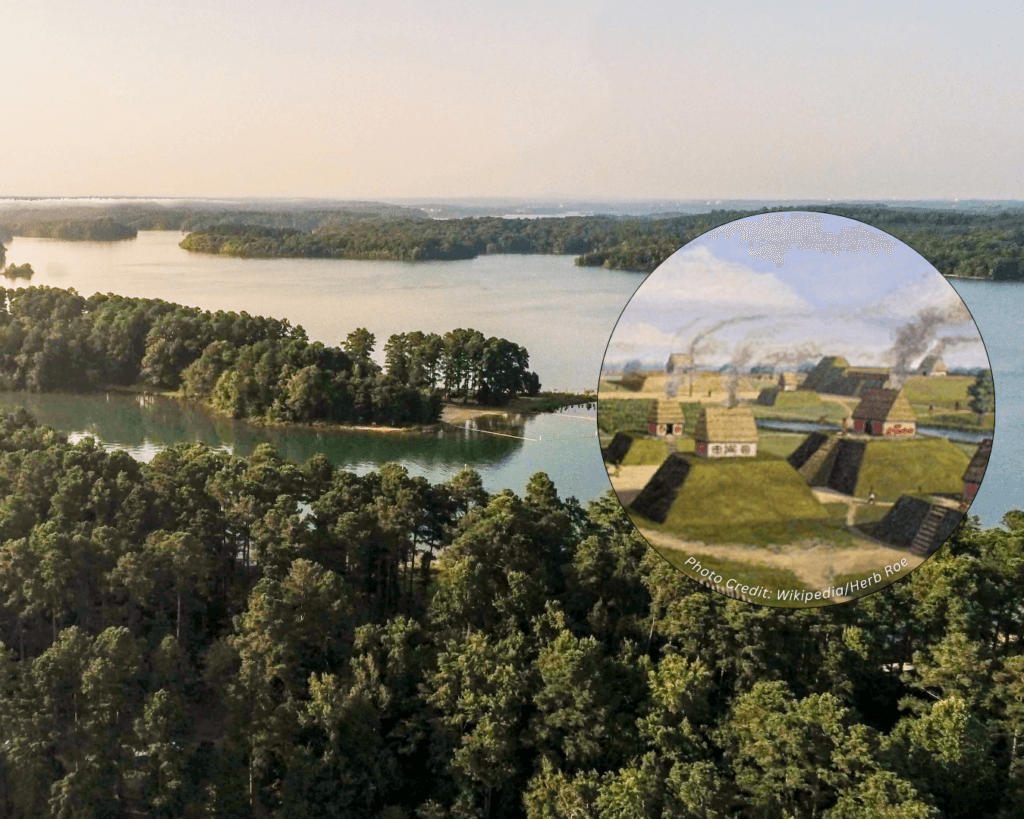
(871, 496)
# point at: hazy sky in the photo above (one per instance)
(757, 296)
(535, 99)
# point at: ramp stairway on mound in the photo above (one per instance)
(816, 469)
(927, 538)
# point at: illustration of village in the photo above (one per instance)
(769, 458)
(782, 504)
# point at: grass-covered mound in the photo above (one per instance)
(732, 500)
(651, 451)
(801, 405)
(929, 466)
(646, 452)
(856, 466)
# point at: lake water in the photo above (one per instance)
(963, 435)
(996, 307)
(561, 313)
(506, 451)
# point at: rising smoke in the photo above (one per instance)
(702, 344)
(793, 357)
(741, 357)
(921, 336)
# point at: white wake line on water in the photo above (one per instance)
(502, 434)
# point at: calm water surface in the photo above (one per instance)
(562, 314)
(505, 450)
(996, 307)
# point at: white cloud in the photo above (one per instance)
(929, 290)
(695, 278)
(638, 340)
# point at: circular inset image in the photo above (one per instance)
(796, 409)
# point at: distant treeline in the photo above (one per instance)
(970, 244)
(963, 244)
(27, 220)
(95, 230)
(251, 367)
(409, 240)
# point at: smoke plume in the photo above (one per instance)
(921, 335)
(793, 357)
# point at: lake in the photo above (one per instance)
(561, 313)
(996, 307)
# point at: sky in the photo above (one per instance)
(674, 100)
(788, 288)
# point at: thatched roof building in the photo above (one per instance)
(665, 417)
(725, 432)
(884, 412)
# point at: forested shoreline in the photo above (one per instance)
(182, 639)
(256, 368)
(986, 246)
(966, 244)
(102, 229)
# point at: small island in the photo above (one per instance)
(18, 271)
(263, 370)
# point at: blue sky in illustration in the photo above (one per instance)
(769, 287)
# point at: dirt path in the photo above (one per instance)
(816, 565)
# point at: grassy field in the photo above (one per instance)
(943, 395)
(919, 466)
(942, 392)
(804, 406)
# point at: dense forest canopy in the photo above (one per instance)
(248, 366)
(974, 245)
(209, 635)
